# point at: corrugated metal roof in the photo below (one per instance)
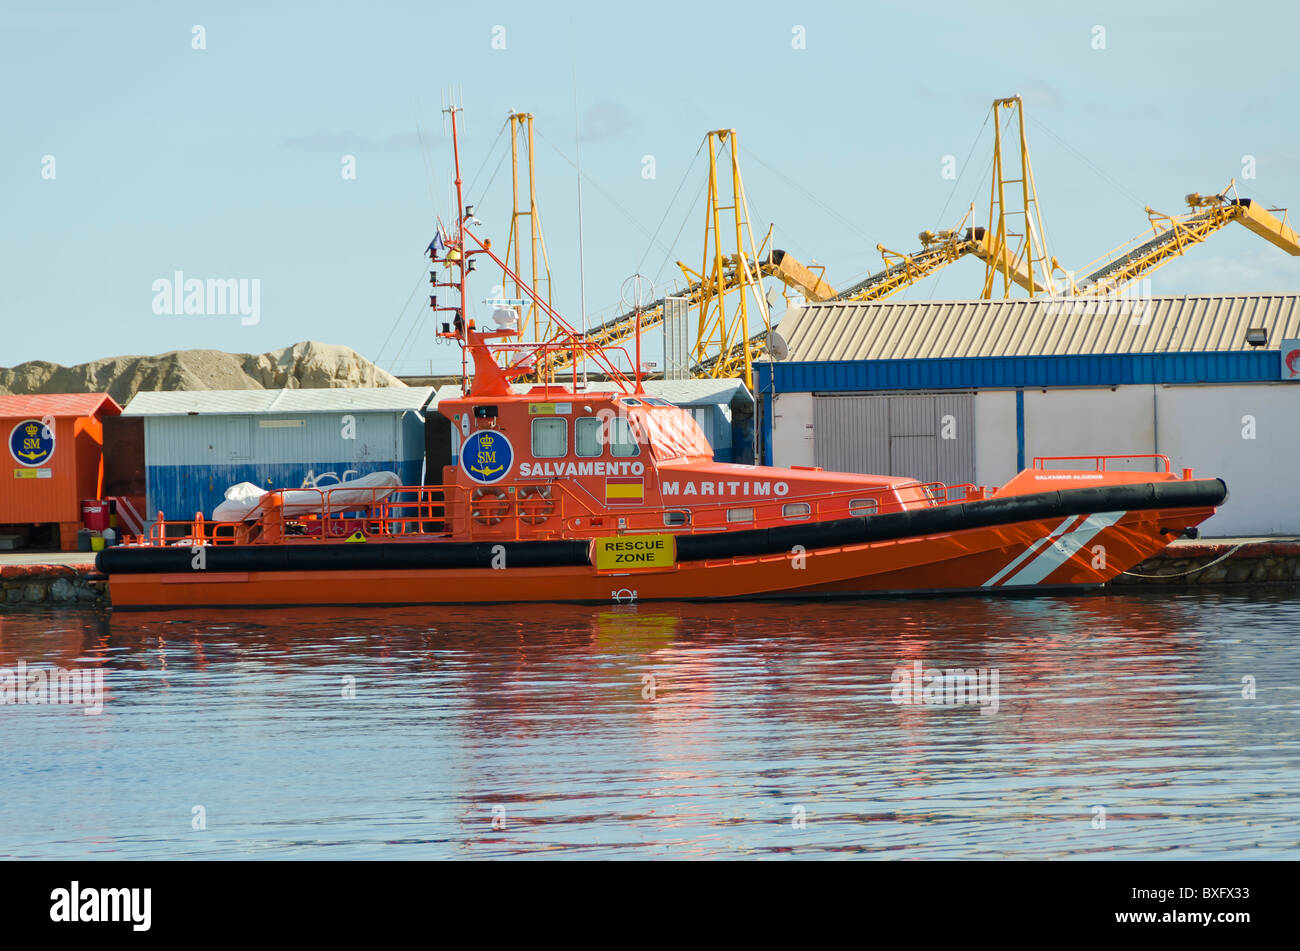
(239, 402)
(681, 392)
(887, 330)
(57, 404)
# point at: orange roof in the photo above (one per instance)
(58, 404)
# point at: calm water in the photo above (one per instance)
(768, 730)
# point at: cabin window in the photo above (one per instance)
(796, 510)
(677, 517)
(656, 401)
(550, 437)
(621, 442)
(586, 436)
(629, 401)
(859, 507)
(740, 515)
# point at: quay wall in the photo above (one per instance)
(53, 585)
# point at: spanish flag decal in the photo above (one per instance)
(624, 491)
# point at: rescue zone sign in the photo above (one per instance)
(632, 552)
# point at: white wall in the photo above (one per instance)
(995, 436)
(1201, 427)
(1090, 422)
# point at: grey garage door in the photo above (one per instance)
(929, 436)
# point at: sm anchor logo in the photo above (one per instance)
(487, 456)
(31, 442)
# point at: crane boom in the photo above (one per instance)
(1175, 234)
(779, 264)
(904, 269)
(1268, 226)
(937, 251)
(791, 273)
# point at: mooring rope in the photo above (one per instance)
(1179, 574)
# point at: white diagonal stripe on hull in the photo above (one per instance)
(1028, 552)
(1055, 555)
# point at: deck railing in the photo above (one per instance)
(525, 510)
(1100, 463)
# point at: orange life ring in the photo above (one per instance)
(492, 511)
(536, 504)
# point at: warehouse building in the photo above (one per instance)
(198, 443)
(972, 391)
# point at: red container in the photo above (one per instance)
(94, 514)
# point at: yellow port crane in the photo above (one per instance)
(724, 347)
(722, 344)
(1010, 251)
(1022, 263)
(778, 264)
(538, 275)
(1014, 245)
(1173, 235)
(1019, 256)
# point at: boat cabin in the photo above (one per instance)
(555, 463)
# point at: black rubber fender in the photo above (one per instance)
(373, 556)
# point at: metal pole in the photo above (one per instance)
(460, 261)
(582, 272)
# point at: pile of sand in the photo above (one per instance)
(307, 365)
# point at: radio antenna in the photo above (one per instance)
(582, 271)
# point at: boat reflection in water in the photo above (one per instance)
(673, 729)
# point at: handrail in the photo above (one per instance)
(1099, 462)
(520, 511)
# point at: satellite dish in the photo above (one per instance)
(776, 345)
(773, 298)
(507, 318)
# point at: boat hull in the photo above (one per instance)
(1071, 538)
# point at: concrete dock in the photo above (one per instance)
(1219, 561)
(51, 578)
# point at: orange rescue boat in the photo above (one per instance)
(558, 494)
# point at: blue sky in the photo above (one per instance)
(225, 162)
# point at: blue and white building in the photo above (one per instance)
(198, 443)
(972, 391)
